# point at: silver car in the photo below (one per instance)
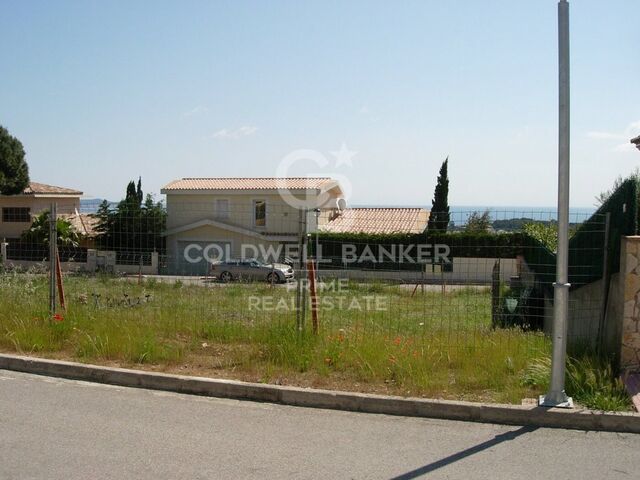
(229, 270)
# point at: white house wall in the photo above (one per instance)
(184, 209)
(212, 234)
(65, 205)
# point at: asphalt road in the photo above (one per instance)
(60, 429)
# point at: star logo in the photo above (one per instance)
(344, 156)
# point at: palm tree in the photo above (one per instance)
(39, 231)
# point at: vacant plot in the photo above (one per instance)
(372, 337)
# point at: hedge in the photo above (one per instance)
(586, 247)
(461, 244)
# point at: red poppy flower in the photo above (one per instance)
(58, 318)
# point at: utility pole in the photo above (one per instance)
(556, 397)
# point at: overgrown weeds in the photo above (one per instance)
(590, 379)
(428, 344)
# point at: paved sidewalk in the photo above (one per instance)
(52, 428)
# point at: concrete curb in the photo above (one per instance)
(305, 397)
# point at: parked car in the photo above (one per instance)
(288, 261)
(228, 270)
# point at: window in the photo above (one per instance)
(222, 208)
(259, 213)
(16, 214)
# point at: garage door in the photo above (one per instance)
(191, 260)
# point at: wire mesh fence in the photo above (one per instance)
(151, 283)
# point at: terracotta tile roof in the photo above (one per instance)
(84, 223)
(36, 188)
(248, 183)
(379, 220)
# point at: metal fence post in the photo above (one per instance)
(305, 245)
(496, 321)
(3, 251)
(314, 297)
(301, 259)
(53, 241)
(606, 280)
(556, 397)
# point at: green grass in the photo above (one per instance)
(589, 380)
(423, 345)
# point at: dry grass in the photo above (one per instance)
(428, 345)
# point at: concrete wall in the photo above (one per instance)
(465, 270)
(90, 266)
(613, 320)
(585, 312)
(586, 305)
(620, 326)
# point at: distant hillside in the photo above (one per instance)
(510, 224)
(513, 223)
(90, 205)
(516, 224)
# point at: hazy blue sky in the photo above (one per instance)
(101, 92)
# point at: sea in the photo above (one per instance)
(458, 213)
(502, 212)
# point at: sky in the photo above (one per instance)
(376, 94)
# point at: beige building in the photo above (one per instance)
(210, 218)
(18, 211)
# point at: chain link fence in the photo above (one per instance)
(263, 277)
(474, 277)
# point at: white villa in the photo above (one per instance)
(18, 211)
(265, 213)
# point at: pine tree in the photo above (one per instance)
(14, 172)
(478, 222)
(439, 216)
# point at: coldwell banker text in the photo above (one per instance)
(348, 253)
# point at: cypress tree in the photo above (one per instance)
(131, 195)
(139, 193)
(439, 216)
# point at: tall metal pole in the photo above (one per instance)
(53, 241)
(556, 397)
(606, 280)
